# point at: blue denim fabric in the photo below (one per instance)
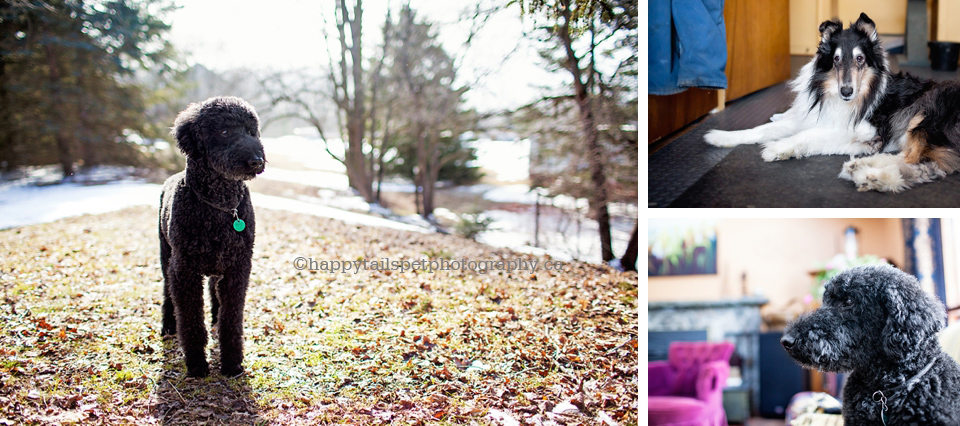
(687, 45)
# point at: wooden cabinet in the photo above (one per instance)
(758, 45)
(758, 56)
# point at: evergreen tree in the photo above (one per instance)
(427, 108)
(68, 83)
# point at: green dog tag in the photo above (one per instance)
(239, 225)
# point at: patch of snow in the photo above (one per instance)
(561, 235)
(315, 178)
(380, 210)
(508, 161)
(504, 418)
(52, 175)
(341, 201)
(511, 194)
(308, 149)
(445, 213)
(298, 206)
(416, 220)
(396, 186)
(25, 205)
(522, 194)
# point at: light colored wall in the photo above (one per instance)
(889, 15)
(806, 16)
(803, 27)
(777, 256)
(947, 20)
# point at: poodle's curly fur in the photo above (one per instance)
(221, 139)
(879, 326)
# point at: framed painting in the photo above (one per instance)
(681, 247)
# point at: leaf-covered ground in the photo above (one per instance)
(80, 317)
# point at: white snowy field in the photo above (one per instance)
(26, 205)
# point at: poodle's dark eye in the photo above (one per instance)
(224, 132)
(848, 303)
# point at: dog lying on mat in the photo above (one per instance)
(848, 102)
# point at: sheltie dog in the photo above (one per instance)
(899, 130)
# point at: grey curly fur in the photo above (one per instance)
(221, 139)
(879, 326)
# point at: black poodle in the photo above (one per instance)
(878, 325)
(207, 228)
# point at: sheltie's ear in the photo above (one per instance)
(867, 26)
(828, 28)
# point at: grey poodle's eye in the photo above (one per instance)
(848, 303)
(224, 132)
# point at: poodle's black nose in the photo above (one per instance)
(255, 162)
(787, 341)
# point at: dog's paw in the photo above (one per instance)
(721, 138)
(231, 372)
(168, 331)
(868, 178)
(198, 370)
(771, 153)
(873, 145)
(849, 168)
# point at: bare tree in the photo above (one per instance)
(403, 94)
(350, 94)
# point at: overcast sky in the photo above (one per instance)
(286, 34)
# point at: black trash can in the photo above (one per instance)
(944, 55)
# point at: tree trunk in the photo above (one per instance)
(62, 134)
(416, 193)
(536, 221)
(423, 167)
(598, 178)
(431, 174)
(384, 146)
(629, 260)
(7, 126)
(355, 108)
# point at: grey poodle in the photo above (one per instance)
(207, 229)
(878, 325)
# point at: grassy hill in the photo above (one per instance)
(80, 321)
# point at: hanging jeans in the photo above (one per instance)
(687, 45)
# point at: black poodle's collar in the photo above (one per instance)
(238, 224)
(880, 398)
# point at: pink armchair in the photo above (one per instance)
(687, 389)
